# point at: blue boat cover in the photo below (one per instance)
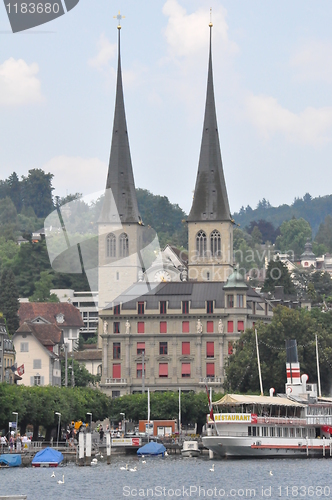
(48, 455)
(152, 449)
(12, 460)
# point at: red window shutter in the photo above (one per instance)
(140, 327)
(163, 369)
(210, 349)
(230, 327)
(185, 370)
(139, 366)
(240, 326)
(117, 371)
(210, 369)
(140, 347)
(230, 348)
(163, 327)
(185, 326)
(209, 327)
(185, 348)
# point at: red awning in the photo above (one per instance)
(327, 428)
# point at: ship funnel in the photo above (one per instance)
(292, 363)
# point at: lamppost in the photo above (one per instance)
(123, 425)
(59, 415)
(15, 413)
(89, 413)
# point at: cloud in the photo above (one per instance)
(186, 34)
(73, 174)
(312, 62)
(311, 126)
(184, 67)
(19, 84)
(106, 52)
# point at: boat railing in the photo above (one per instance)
(319, 419)
(281, 420)
(232, 433)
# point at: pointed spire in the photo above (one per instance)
(120, 178)
(210, 197)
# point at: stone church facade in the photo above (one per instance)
(177, 330)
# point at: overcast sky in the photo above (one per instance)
(272, 66)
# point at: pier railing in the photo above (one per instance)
(281, 421)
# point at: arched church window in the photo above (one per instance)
(201, 244)
(124, 245)
(215, 243)
(111, 245)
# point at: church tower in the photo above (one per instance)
(210, 227)
(120, 224)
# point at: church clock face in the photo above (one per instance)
(162, 276)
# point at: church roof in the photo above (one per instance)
(120, 204)
(210, 197)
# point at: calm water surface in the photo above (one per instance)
(174, 477)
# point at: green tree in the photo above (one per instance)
(322, 283)
(37, 192)
(82, 377)
(277, 275)
(324, 235)
(302, 325)
(293, 236)
(8, 219)
(9, 303)
(14, 191)
(42, 289)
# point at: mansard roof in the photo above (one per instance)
(175, 293)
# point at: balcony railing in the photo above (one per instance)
(210, 380)
(116, 381)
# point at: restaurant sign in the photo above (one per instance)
(233, 418)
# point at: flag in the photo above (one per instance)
(20, 370)
(210, 403)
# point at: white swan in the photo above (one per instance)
(124, 468)
(53, 474)
(143, 461)
(166, 454)
(94, 461)
(212, 468)
(101, 456)
(63, 480)
(271, 473)
(134, 469)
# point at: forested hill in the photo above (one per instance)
(313, 210)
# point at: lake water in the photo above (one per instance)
(174, 477)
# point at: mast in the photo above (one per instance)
(318, 369)
(259, 365)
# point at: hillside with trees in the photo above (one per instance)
(313, 210)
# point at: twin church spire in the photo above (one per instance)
(212, 245)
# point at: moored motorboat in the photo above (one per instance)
(190, 449)
(10, 460)
(47, 458)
